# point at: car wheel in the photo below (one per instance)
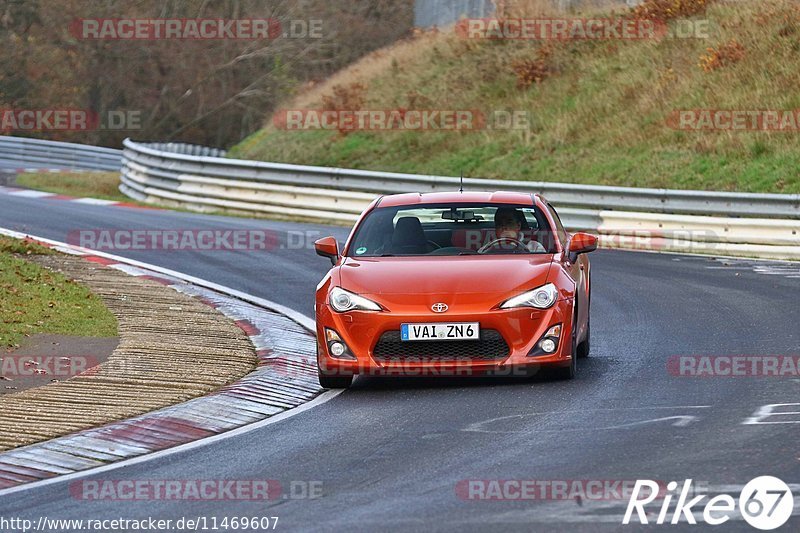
(583, 348)
(568, 372)
(339, 381)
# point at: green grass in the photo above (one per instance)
(36, 300)
(599, 118)
(103, 185)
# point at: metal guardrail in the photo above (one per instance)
(151, 165)
(24, 153)
(201, 178)
(188, 149)
(762, 225)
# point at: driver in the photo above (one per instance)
(508, 223)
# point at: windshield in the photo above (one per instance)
(453, 229)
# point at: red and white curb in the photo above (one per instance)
(30, 193)
(286, 378)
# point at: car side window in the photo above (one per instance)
(562, 233)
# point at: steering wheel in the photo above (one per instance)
(436, 246)
(516, 242)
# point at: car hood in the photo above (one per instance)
(466, 278)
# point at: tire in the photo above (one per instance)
(328, 381)
(584, 347)
(568, 372)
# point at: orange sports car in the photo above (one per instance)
(454, 284)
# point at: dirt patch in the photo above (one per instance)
(172, 348)
(46, 358)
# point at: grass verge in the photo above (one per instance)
(599, 110)
(36, 300)
(103, 185)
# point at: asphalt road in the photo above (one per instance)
(391, 454)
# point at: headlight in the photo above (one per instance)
(342, 300)
(540, 298)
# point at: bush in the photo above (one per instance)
(530, 71)
(345, 98)
(727, 54)
(665, 10)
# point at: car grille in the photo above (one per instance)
(490, 347)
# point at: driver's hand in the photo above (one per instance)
(535, 246)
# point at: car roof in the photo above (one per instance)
(415, 198)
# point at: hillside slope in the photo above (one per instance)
(600, 114)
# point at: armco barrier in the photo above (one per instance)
(22, 153)
(18, 153)
(149, 165)
(723, 223)
(200, 178)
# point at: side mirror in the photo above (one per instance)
(581, 243)
(328, 247)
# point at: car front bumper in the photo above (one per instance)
(520, 328)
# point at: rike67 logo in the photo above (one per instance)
(766, 503)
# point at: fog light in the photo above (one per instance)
(336, 346)
(337, 349)
(548, 345)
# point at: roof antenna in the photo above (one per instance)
(461, 188)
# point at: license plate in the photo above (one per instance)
(441, 331)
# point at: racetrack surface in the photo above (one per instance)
(390, 453)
